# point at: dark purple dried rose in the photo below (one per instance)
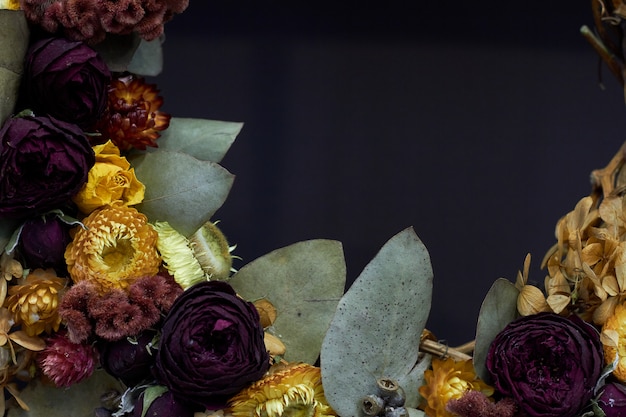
(42, 243)
(211, 345)
(43, 163)
(547, 363)
(612, 400)
(165, 405)
(130, 361)
(67, 80)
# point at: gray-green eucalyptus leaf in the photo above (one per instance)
(207, 140)
(377, 328)
(181, 189)
(148, 58)
(8, 233)
(118, 50)
(304, 282)
(14, 36)
(79, 400)
(498, 309)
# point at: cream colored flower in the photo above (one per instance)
(178, 257)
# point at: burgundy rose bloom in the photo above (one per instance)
(42, 243)
(211, 345)
(67, 80)
(547, 363)
(165, 405)
(130, 361)
(43, 163)
(613, 400)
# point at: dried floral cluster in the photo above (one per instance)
(91, 20)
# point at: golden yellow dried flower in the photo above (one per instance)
(110, 180)
(614, 340)
(177, 256)
(10, 4)
(446, 380)
(34, 303)
(293, 390)
(116, 246)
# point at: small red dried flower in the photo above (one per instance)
(66, 363)
(133, 118)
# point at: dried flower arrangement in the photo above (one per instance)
(118, 296)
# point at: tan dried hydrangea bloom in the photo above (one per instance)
(34, 303)
(116, 247)
(586, 267)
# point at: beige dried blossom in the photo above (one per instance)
(587, 265)
(531, 299)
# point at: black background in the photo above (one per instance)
(477, 123)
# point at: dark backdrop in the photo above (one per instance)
(477, 124)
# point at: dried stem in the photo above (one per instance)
(444, 351)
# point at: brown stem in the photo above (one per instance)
(444, 351)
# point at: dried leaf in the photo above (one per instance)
(181, 189)
(33, 343)
(610, 285)
(79, 400)
(558, 302)
(498, 309)
(304, 281)
(378, 325)
(609, 338)
(605, 310)
(267, 312)
(531, 300)
(14, 36)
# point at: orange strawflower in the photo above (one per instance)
(133, 118)
(448, 380)
(116, 247)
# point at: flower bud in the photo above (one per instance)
(211, 249)
(372, 405)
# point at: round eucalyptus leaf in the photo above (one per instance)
(181, 189)
(304, 282)
(377, 328)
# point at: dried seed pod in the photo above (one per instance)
(274, 345)
(372, 405)
(267, 312)
(396, 412)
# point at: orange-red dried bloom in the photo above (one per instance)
(116, 247)
(133, 118)
(34, 304)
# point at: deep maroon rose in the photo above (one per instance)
(547, 363)
(165, 405)
(43, 163)
(42, 243)
(130, 361)
(613, 400)
(67, 80)
(211, 345)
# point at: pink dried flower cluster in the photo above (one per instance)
(476, 404)
(66, 363)
(91, 20)
(116, 314)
